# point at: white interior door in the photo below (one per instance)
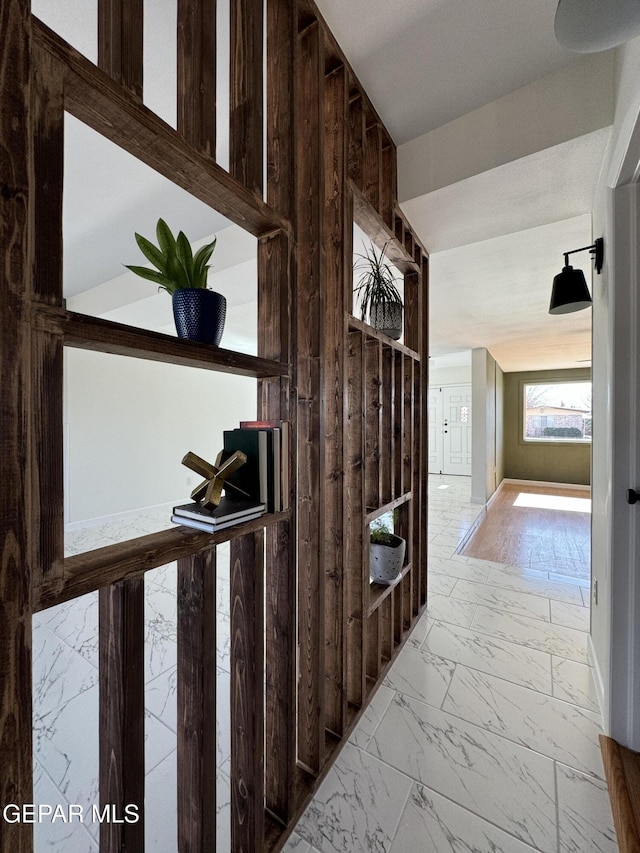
(436, 434)
(456, 405)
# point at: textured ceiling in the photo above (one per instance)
(427, 62)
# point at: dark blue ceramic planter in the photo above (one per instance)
(199, 314)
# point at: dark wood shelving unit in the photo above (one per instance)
(312, 637)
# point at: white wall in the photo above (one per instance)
(561, 106)
(484, 463)
(129, 422)
(458, 375)
(615, 616)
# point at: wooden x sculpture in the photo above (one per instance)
(210, 490)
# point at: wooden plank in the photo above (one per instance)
(424, 431)
(196, 84)
(95, 99)
(48, 161)
(373, 165)
(280, 115)
(276, 313)
(407, 425)
(621, 768)
(196, 668)
(372, 408)
(416, 525)
(336, 276)
(47, 481)
(386, 628)
(370, 332)
(386, 435)
(245, 100)
(96, 569)
(368, 218)
(247, 693)
(15, 500)
(357, 576)
(93, 333)
(398, 410)
(387, 507)
(357, 132)
(122, 768)
(388, 183)
(120, 34)
(374, 645)
(310, 331)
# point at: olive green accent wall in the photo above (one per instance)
(554, 463)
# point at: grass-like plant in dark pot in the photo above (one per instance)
(199, 313)
(386, 553)
(379, 296)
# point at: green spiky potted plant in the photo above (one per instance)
(386, 552)
(379, 296)
(199, 313)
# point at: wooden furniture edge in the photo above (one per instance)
(622, 772)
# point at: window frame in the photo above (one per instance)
(555, 441)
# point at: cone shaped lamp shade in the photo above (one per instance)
(569, 292)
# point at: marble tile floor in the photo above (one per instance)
(483, 737)
(65, 688)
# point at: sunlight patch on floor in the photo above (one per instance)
(557, 502)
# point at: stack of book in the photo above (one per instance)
(265, 475)
(230, 511)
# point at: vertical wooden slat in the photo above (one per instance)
(386, 433)
(15, 500)
(276, 314)
(122, 769)
(373, 165)
(372, 412)
(398, 409)
(416, 531)
(196, 85)
(197, 703)
(355, 552)
(397, 613)
(247, 693)
(386, 626)
(335, 164)
(388, 183)
(280, 113)
(309, 164)
(120, 35)
(407, 424)
(374, 645)
(412, 319)
(245, 102)
(424, 429)
(357, 135)
(46, 354)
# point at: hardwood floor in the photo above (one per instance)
(534, 527)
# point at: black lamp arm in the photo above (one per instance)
(596, 249)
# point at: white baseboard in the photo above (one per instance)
(120, 516)
(599, 684)
(545, 484)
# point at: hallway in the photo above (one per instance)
(484, 735)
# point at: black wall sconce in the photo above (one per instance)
(570, 292)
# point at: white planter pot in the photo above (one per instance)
(386, 561)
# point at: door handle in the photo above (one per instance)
(632, 496)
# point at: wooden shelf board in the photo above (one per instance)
(93, 333)
(107, 107)
(388, 507)
(356, 325)
(93, 570)
(378, 592)
(379, 233)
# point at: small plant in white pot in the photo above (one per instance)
(199, 313)
(386, 553)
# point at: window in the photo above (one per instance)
(557, 411)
